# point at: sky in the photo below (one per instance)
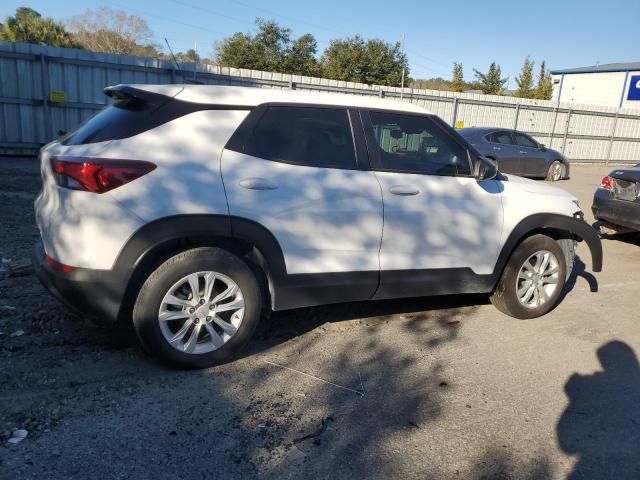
(565, 33)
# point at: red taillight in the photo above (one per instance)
(97, 175)
(61, 267)
(607, 183)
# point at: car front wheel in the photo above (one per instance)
(532, 281)
(198, 308)
(556, 171)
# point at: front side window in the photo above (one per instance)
(415, 144)
(318, 137)
(501, 137)
(524, 140)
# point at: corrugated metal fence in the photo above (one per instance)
(46, 90)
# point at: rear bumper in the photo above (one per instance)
(90, 293)
(618, 212)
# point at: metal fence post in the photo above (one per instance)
(46, 113)
(455, 112)
(611, 136)
(515, 122)
(566, 131)
(292, 85)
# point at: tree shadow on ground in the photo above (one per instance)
(601, 425)
(497, 464)
(285, 325)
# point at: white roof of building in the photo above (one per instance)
(251, 96)
(607, 67)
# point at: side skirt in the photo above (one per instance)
(425, 283)
(306, 290)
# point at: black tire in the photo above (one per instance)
(504, 297)
(552, 175)
(145, 312)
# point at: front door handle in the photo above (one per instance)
(257, 183)
(404, 190)
(496, 148)
(524, 152)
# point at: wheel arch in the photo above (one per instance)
(556, 226)
(159, 240)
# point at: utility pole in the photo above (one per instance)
(195, 60)
(402, 78)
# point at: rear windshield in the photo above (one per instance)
(128, 117)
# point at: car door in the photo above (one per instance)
(294, 170)
(532, 158)
(440, 223)
(505, 152)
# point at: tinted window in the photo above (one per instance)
(501, 137)
(524, 140)
(129, 117)
(319, 137)
(413, 143)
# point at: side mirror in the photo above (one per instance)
(485, 169)
(542, 147)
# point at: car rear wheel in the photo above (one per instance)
(198, 308)
(533, 279)
(556, 171)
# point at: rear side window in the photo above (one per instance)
(127, 117)
(500, 137)
(310, 136)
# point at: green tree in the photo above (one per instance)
(525, 80)
(29, 26)
(301, 57)
(436, 83)
(491, 82)
(544, 89)
(367, 61)
(272, 48)
(189, 56)
(457, 79)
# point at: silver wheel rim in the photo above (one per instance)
(201, 312)
(557, 172)
(538, 279)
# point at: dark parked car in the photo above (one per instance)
(516, 152)
(616, 202)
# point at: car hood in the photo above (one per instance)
(555, 153)
(539, 187)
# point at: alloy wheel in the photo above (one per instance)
(201, 312)
(537, 279)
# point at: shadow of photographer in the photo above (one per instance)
(601, 424)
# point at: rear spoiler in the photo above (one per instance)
(128, 97)
(128, 93)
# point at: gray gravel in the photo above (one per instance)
(452, 388)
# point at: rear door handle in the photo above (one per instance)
(523, 152)
(496, 148)
(404, 190)
(257, 183)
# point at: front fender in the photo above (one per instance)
(553, 224)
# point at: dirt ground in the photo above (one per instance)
(421, 388)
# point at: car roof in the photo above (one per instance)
(252, 96)
(468, 132)
(480, 130)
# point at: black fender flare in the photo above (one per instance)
(551, 223)
(212, 229)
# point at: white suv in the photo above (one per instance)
(192, 210)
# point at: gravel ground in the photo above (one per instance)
(421, 388)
